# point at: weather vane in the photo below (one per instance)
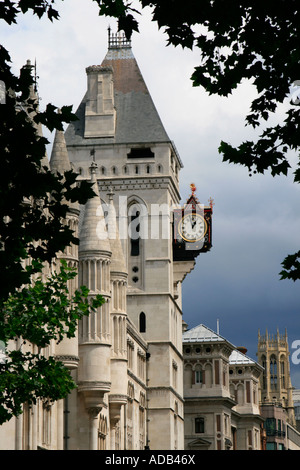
(193, 188)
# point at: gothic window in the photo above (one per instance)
(174, 374)
(199, 425)
(134, 234)
(115, 334)
(248, 392)
(142, 322)
(137, 234)
(175, 425)
(46, 430)
(273, 372)
(102, 432)
(103, 170)
(142, 421)
(141, 362)
(282, 373)
(130, 349)
(135, 248)
(130, 399)
(263, 362)
(26, 427)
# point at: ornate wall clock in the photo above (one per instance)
(192, 229)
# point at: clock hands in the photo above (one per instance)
(193, 227)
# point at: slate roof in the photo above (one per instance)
(137, 118)
(203, 334)
(237, 357)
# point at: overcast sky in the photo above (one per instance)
(256, 221)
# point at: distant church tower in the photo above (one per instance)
(273, 355)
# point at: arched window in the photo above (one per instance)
(137, 220)
(282, 373)
(264, 377)
(198, 376)
(273, 372)
(142, 322)
(134, 234)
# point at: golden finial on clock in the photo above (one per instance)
(193, 188)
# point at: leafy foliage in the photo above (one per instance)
(9, 10)
(34, 204)
(39, 314)
(291, 266)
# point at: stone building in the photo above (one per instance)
(126, 358)
(221, 394)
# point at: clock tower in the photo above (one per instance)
(120, 130)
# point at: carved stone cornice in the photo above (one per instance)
(69, 361)
(94, 393)
(94, 386)
(117, 399)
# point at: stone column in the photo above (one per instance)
(94, 420)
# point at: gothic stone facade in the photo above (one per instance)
(127, 357)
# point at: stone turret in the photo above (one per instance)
(59, 162)
(94, 379)
(67, 350)
(118, 315)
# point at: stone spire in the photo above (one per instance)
(59, 162)
(33, 95)
(94, 377)
(93, 234)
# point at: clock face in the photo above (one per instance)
(192, 227)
